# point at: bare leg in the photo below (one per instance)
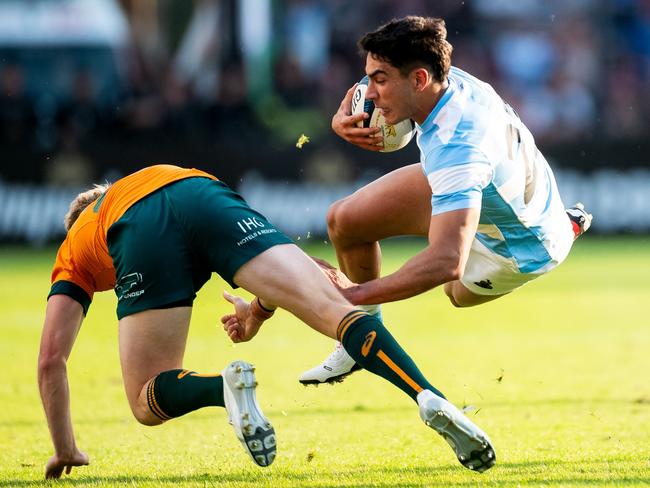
(151, 342)
(287, 277)
(398, 203)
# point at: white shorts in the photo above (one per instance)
(487, 273)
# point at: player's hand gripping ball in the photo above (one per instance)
(395, 136)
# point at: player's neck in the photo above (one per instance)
(429, 100)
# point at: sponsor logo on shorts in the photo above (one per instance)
(126, 284)
(246, 225)
(254, 228)
(487, 284)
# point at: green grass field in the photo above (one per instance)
(557, 374)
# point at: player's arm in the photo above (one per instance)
(450, 239)
(63, 317)
(344, 124)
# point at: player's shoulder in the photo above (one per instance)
(80, 239)
(477, 98)
(462, 116)
(87, 218)
(462, 80)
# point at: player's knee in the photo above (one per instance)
(143, 413)
(145, 417)
(341, 221)
(335, 215)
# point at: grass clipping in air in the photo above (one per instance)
(302, 140)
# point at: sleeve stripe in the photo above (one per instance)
(72, 290)
(458, 178)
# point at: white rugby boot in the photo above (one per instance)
(336, 367)
(251, 426)
(471, 445)
(580, 219)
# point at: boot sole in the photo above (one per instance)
(252, 428)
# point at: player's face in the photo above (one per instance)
(391, 92)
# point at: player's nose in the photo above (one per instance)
(371, 92)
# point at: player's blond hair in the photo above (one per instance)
(81, 202)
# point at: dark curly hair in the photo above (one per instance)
(412, 42)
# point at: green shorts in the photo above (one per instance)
(166, 246)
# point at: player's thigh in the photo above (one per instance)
(398, 203)
(150, 342)
(287, 277)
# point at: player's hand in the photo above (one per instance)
(242, 325)
(348, 288)
(336, 276)
(351, 293)
(57, 463)
(344, 124)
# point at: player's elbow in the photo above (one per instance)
(49, 364)
(452, 268)
(51, 356)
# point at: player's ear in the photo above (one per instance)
(420, 78)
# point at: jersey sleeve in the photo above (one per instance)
(457, 175)
(68, 278)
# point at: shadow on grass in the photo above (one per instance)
(584, 473)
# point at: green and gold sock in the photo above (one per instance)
(179, 391)
(371, 345)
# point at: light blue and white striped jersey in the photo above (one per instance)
(476, 153)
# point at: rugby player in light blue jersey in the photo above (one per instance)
(483, 193)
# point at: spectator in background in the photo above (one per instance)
(80, 115)
(17, 122)
(587, 76)
(291, 84)
(307, 31)
(229, 116)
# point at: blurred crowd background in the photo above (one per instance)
(94, 89)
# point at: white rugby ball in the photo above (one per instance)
(395, 136)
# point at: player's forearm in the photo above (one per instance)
(387, 289)
(55, 396)
(420, 274)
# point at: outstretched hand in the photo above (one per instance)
(55, 466)
(344, 124)
(349, 289)
(336, 276)
(242, 325)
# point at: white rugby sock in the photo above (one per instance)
(371, 309)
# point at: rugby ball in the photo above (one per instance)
(395, 136)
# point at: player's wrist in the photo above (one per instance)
(261, 310)
(66, 452)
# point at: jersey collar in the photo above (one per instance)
(429, 121)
